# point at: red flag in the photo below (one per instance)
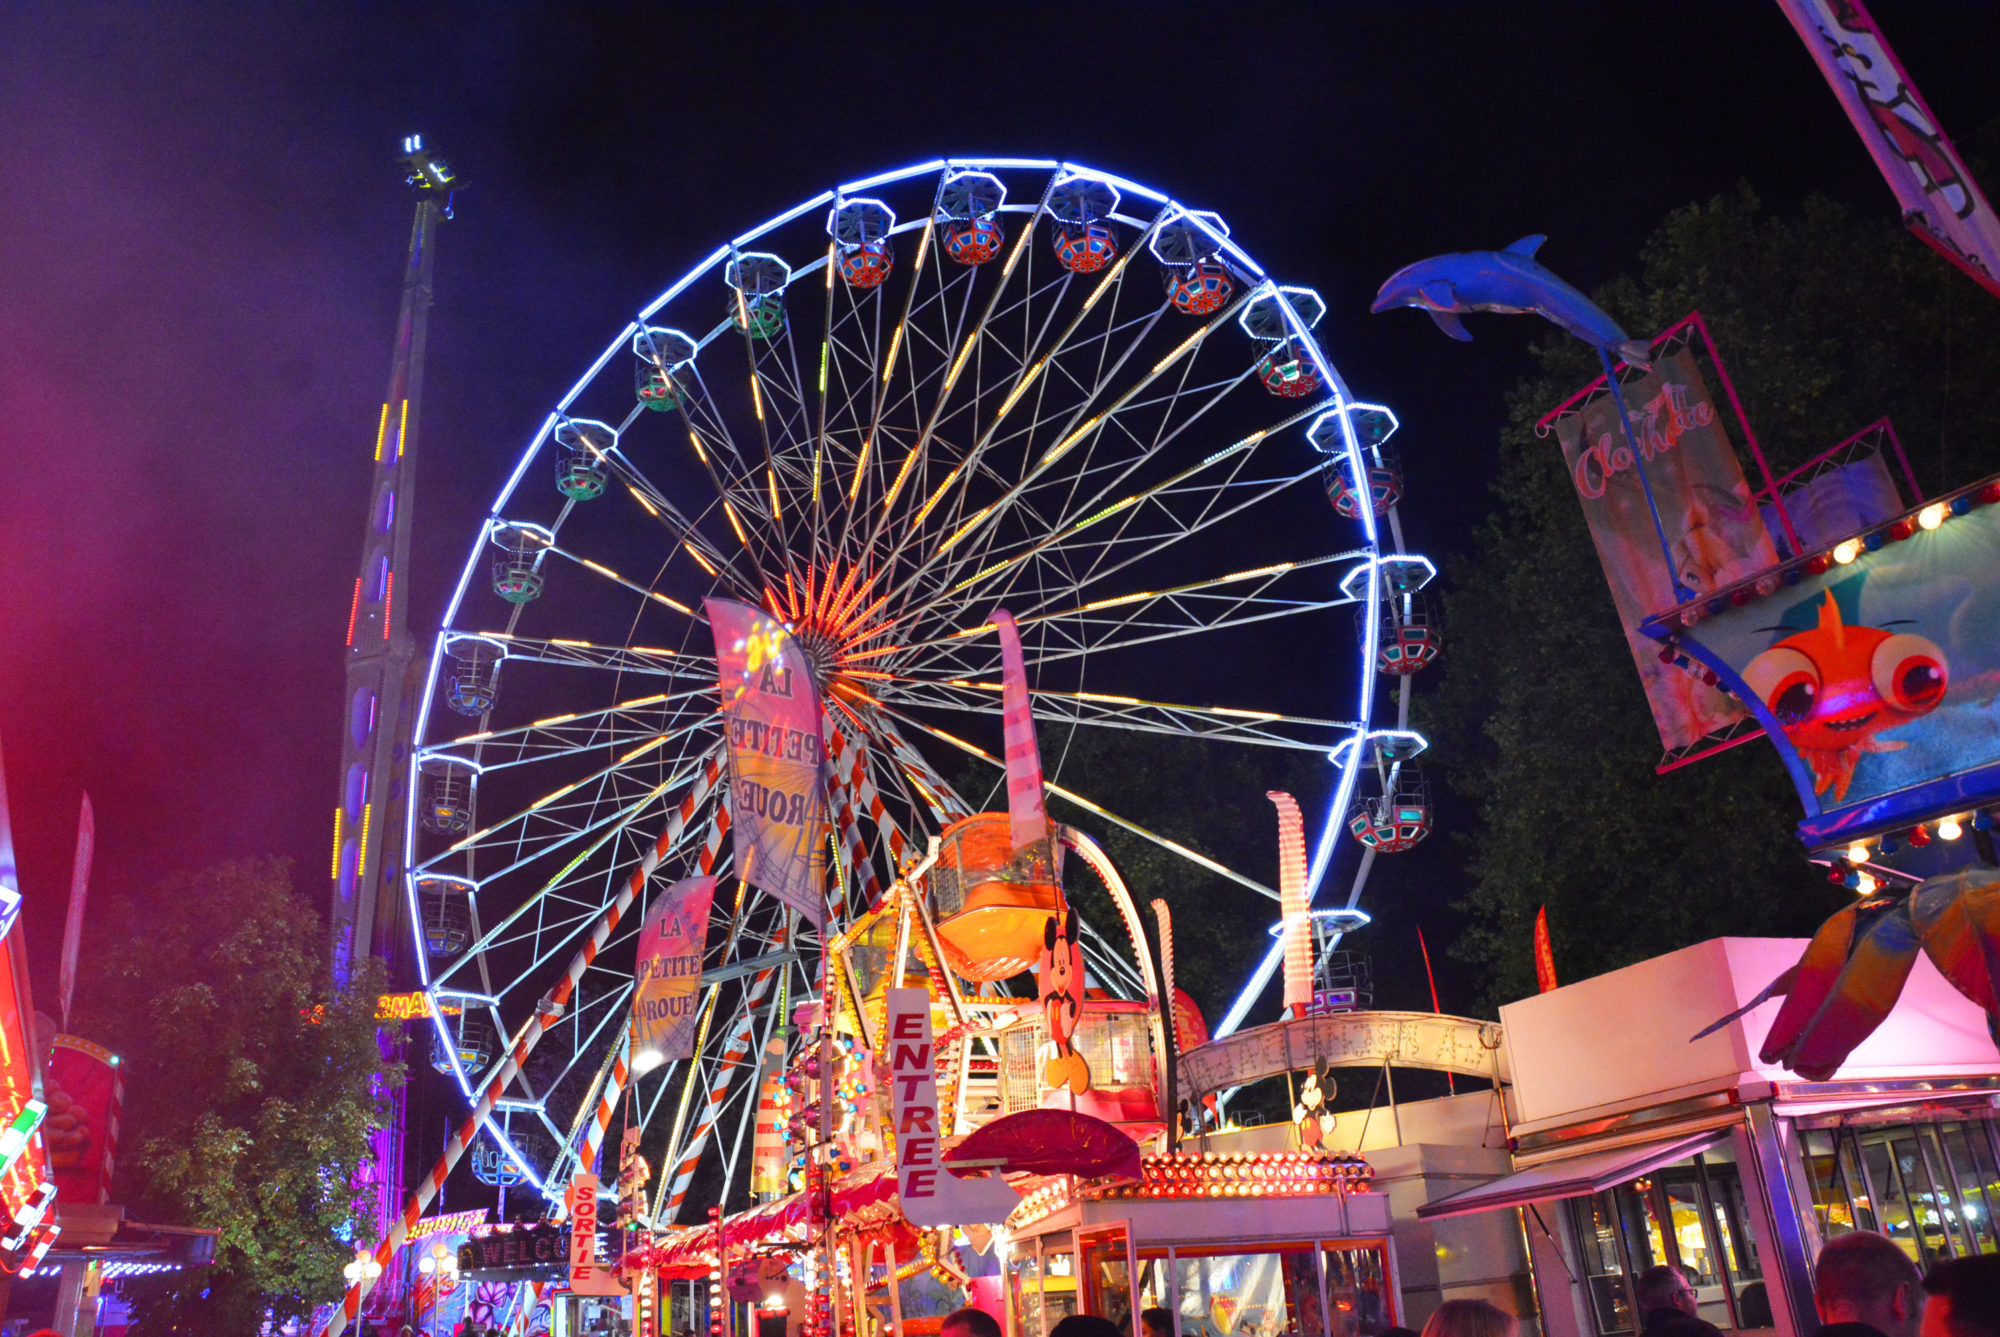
(1545, 957)
(79, 891)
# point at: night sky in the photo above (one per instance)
(202, 227)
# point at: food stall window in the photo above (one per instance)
(1107, 1273)
(1970, 1157)
(1357, 1293)
(1690, 1214)
(1024, 1285)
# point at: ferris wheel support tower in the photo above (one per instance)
(375, 719)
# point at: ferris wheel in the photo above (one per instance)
(883, 414)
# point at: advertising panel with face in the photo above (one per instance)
(1877, 678)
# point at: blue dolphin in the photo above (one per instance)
(1509, 281)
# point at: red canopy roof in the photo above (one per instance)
(1049, 1142)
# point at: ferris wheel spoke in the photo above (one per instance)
(648, 660)
(636, 724)
(1261, 728)
(1164, 842)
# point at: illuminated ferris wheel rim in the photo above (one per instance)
(1339, 418)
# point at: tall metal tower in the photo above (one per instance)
(377, 708)
(374, 739)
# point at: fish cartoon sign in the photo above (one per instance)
(1875, 674)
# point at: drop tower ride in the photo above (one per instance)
(376, 707)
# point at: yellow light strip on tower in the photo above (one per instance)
(553, 719)
(382, 432)
(1068, 443)
(735, 523)
(1176, 355)
(1014, 395)
(895, 342)
(361, 860)
(860, 466)
(901, 474)
(700, 454)
(756, 397)
(403, 429)
(938, 495)
(771, 479)
(674, 604)
(700, 561)
(965, 529)
(340, 813)
(600, 569)
(640, 497)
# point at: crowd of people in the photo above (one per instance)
(1863, 1286)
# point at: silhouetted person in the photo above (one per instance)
(1470, 1318)
(1156, 1322)
(1864, 1285)
(1753, 1306)
(969, 1322)
(1667, 1305)
(1964, 1298)
(1086, 1325)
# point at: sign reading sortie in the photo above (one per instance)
(587, 1276)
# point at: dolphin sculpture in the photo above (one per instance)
(1509, 281)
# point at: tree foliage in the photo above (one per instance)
(252, 1087)
(1825, 324)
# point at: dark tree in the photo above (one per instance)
(250, 1090)
(1541, 728)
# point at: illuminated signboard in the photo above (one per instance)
(409, 1007)
(25, 1190)
(538, 1248)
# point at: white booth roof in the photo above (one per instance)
(1620, 1041)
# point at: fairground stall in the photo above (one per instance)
(1633, 1146)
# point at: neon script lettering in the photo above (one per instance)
(1659, 425)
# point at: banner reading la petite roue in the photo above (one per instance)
(1713, 528)
(778, 811)
(667, 976)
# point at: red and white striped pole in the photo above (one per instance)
(550, 1009)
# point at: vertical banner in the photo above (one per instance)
(667, 976)
(587, 1276)
(776, 755)
(1292, 903)
(1027, 814)
(1940, 201)
(79, 892)
(1545, 955)
(928, 1194)
(1713, 527)
(768, 1162)
(82, 1090)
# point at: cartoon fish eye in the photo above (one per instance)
(1910, 672)
(1787, 681)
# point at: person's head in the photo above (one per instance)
(1157, 1322)
(1662, 1286)
(1964, 1298)
(969, 1322)
(1864, 1277)
(1470, 1318)
(1086, 1325)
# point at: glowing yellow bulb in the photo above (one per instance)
(1931, 516)
(1847, 551)
(1950, 829)
(1858, 852)
(1866, 886)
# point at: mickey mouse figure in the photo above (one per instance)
(1061, 995)
(1310, 1115)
